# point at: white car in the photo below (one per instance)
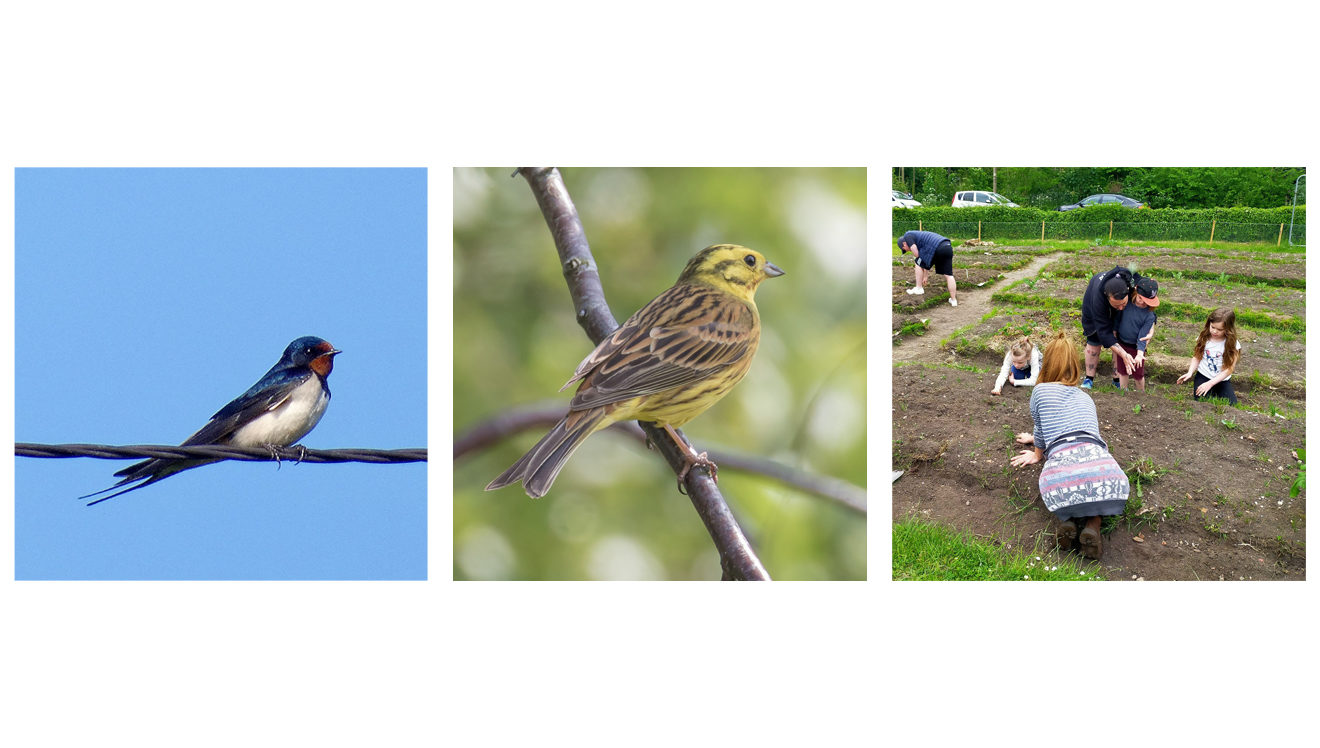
(980, 198)
(903, 200)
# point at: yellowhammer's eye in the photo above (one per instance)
(750, 260)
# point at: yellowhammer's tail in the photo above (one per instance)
(541, 465)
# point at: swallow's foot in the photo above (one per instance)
(302, 454)
(275, 453)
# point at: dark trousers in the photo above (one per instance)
(1224, 389)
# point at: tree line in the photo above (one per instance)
(1157, 186)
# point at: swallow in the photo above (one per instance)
(281, 408)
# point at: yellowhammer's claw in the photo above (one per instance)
(693, 460)
(667, 364)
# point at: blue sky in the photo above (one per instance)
(146, 299)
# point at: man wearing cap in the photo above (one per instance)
(1135, 323)
(1106, 295)
(931, 250)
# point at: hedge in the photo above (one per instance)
(1099, 213)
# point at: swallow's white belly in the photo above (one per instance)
(287, 422)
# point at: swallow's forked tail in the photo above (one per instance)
(147, 471)
(125, 481)
(541, 465)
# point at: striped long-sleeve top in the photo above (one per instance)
(1057, 409)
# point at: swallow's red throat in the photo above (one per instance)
(323, 364)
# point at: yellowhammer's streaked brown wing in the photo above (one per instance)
(684, 335)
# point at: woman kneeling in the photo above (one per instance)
(1080, 482)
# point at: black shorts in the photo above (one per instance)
(943, 259)
(1224, 389)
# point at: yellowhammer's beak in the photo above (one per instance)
(772, 270)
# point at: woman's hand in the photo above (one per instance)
(1025, 438)
(1025, 457)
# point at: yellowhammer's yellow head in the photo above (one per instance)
(730, 268)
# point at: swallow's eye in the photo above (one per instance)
(750, 260)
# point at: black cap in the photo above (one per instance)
(1148, 289)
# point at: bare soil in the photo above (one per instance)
(1216, 504)
(1278, 302)
(1267, 270)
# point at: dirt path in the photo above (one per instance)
(944, 319)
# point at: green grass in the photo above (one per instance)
(1080, 271)
(913, 328)
(927, 552)
(1170, 309)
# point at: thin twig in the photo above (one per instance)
(737, 558)
(512, 422)
(218, 452)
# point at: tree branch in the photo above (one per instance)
(512, 422)
(737, 558)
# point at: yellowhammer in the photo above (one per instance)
(673, 359)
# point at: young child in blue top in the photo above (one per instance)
(1134, 325)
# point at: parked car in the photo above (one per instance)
(1102, 199)
(980, 198)
(903, 200)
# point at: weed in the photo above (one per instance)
(1141, 472)
(1136, 408)
(913, 328)
(1229, 423)
(1299, 484)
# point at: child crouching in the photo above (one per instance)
(1021, 365)
(1215, 357)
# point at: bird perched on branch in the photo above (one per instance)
(281, 408)
(666, 364)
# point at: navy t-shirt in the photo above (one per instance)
(925, 242)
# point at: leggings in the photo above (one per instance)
(1224, 389)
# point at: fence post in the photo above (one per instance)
(1280, 241)
(978, 231)
(1111, 231)
(1042, 233)
(919, 226)
(1212, 232)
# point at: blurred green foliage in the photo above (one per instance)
(615, 511)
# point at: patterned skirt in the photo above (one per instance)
(1083, 480)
